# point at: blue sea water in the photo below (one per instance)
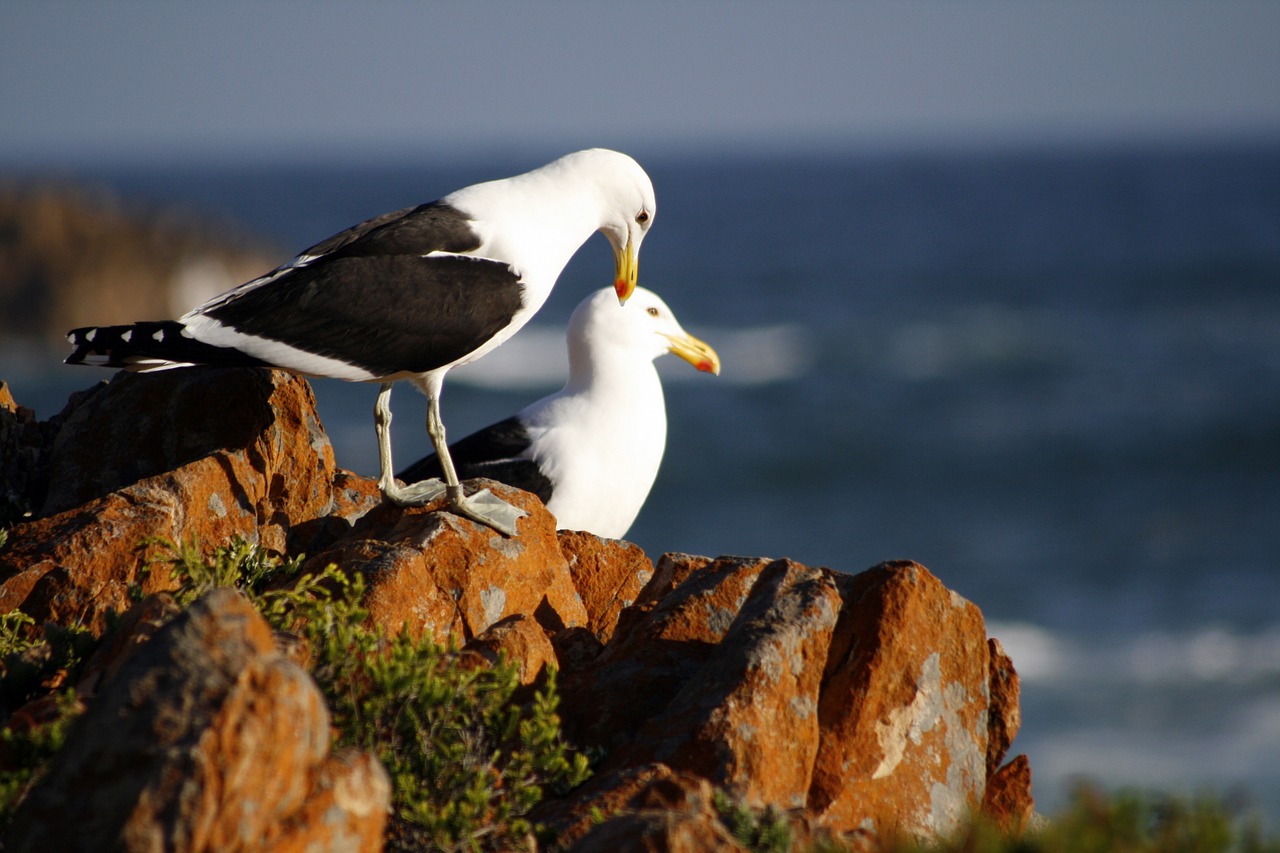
(1052, 377)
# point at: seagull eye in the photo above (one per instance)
(653, 312)
(642, 217)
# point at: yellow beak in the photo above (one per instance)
(626, 272)
(696, 352)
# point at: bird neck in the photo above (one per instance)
(537, 220)
(600, 369)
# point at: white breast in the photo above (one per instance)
(602, 457)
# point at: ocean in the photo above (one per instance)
(1051, 376)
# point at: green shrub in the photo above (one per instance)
(467, 764)
(1121, 822)
(1093, 822)
(32, 663)
(15, 633)
(28, 752)
(759, 830)
(241, 566)
(1145, 821)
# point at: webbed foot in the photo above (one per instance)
(484, 507)
(414, 494)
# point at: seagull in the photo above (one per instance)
(590, 451)
(410, 295)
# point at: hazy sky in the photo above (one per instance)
(176, 79)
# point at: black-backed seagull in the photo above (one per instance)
(409, 295)
(590, 451)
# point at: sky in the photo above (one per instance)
(144, 79)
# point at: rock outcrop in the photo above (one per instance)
(207, 738)
(74, 255)
(862, 705)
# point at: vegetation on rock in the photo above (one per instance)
(26, 752)
(469, 752)
(1127, 821)
(467, 762)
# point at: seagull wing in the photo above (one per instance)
(395, 294)
(494, 452)
(385, 313)
(434, 227)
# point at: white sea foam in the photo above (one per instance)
(1176, 711)
(1036, 653)
(536, 358)
(1207, 654)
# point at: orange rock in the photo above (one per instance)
(207, 739)
(520, 640)
(430, 570)
(903, 711)
(345, 811)
(660, 643)
(1008, 799)
(651, 786)
(658, 831)
(76, 567)
(748, 719)
(353, 497)
(149, 457)
(1004, 717)
(646, 808)
(672, 570)
(608, 574)
(261, 424)
(869, 706)
(576, 651)
(138, 625)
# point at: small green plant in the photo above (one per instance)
(28, 753)
(15, 633)
(1141, 822)
(760, 831)
(33, 664)
(1093, 822)
(1121, 822)
(467, 763)
(239, 565)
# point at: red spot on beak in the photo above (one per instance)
(706, 367)
(620, 288)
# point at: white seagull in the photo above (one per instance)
(590, 451)
(409, 295)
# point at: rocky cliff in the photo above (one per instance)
(71, 255)
(863, 706)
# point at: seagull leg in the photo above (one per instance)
(416, 494)
(483, 507)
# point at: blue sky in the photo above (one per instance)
(86, 80)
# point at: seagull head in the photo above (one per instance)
(628, 207)
(643, 329)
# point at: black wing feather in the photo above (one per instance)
(432, 227)
(123, 346)
(384, 313)
(492, 452)
(366, 296)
